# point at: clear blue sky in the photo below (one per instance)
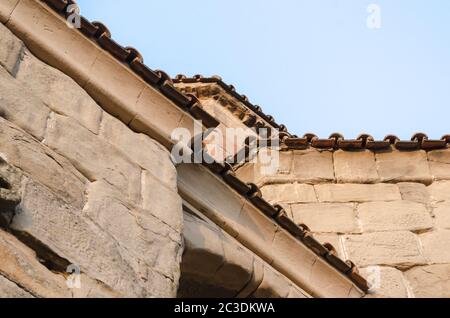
(314, 65)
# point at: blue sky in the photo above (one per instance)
(314, 65)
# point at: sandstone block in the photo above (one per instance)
(355, 167)
(394, 216)
(400, 166)
(415, 192)
(59, 92)
(141, 149)
(440, 191)
(386, 282)
(398, 249)
(435, 246)
(20, 106)
(439, 161)
(292, 193)
(333, 239)
(312, 166)
(430, 281)
(57, 173)
(11, 50)
(93, 156)
(6, 8)
(442, 214)
(327, 218)
(357, 192)
(9, 289)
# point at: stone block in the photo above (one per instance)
(397, 249)
(327, 218)
(415, 192)
(439, 161)
(430, 281)
(386, 282)
(442, 214)
(273, 285)
(355, 167)
(6, 8)
(11, 49)
(357, 192)
(59, 92)
(9, 290)
(436, 246)
(403, 166)
(333, 239)
(313, 166)
(394, 216)
(440, 191)
(289, 193)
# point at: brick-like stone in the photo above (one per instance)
(93, 156)
(20, 106)
(11, 50)
(436, 246)
(313, 166)
(355, 167)
(357, 192)
(399, 249)
(440, 164)
(59, 92)
(42, 164)
(386, 282)
(333, 239)
(327, 218)
(415, 192)
(440, 191)
(402, 166)
(141, 149)
(394, 216)
(8, 289)
(289, 193)
(430, 281)
(442, 214)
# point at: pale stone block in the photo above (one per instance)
(436, 246)
(355, 167)
(296, 293)
(386, 282)
(327, 218)
(289, 193)
(93, 156)
(6, 8)
(415, 192)
(357, 192)
(313, 166)
(430, 281)
(43, 165)
(141, 149)
(403, 166)
(11, 50)
(394, 216)
(440, 191)
(442, 214)
(20, 106)
(59, 92)
(399, 249)
(333, 239)
(8, 290)
(324, 277)
(440, 164)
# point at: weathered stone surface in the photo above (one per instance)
(9, 289)
(74, 239)
(402, 166)
(20, 106)
(273, 285)
(440, 191)
(436, 246)
(386, 282)
(10, 190)
(6, 8)
(22, 151)
(430, 281)
(141, 149)
(415, 192)
(93, 156)
(357, 192)
(59, 92)
(292, 193)
(313, 166)
(333, 239)
(327, 218)
(161, 201)
(442, 214)
(355, 167)
(394, 216)
(398, 249)
(439, 161)
(11, 50)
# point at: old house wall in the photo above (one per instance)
(389, 212)
(78, 187)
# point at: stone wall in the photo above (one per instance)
(78, 187)
(390, 210)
